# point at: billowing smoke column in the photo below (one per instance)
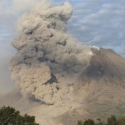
(48, 59)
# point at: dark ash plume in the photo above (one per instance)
(48, 59)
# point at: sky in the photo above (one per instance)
(94, 22)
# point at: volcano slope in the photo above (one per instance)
(21, 102)
(100, 89)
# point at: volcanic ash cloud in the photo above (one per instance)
(48, 59)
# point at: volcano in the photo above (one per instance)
(99, 91)
(58, 79)
(100, 88)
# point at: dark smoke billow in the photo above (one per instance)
(48, 59)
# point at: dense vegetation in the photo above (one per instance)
(9, 116)
(110, 121)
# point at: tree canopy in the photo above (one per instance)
(9, 116)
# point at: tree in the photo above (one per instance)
(80, 122)
(89, 122)
(121, 121)
(9, 116)
(112, 120)
(99, 122)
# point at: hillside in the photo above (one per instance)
(21, 102)
(101, 89)
(98, 91)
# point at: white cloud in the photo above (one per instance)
(99, 23)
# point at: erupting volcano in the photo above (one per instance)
(57, 77)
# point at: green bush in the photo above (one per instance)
(9, 116)
(110, 121)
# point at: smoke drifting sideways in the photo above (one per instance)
(48, 59)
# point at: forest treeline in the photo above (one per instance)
(10, 116)
(112, 120)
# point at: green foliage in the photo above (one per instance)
(89, 122)
(110, 121)
(80, 122)
(122, 121)
(9, 116)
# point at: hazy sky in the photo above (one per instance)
(94, 22)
